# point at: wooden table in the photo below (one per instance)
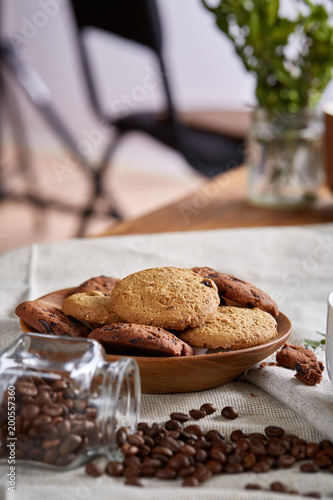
(221, 203)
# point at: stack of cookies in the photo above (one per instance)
(163, 311)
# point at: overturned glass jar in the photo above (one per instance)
(62, 402)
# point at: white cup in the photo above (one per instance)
(329, 337)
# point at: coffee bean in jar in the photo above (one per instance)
(62, 403)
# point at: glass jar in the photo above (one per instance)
(62, 402)
(284, 156)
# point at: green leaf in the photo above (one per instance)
(272, 11)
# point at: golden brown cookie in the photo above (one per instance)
(233, 328)
(102, 284)
(47, 319)
(93, 307)
(140, 340)
(238, 290)
(166, 297)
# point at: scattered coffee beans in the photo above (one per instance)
(197, 414)
(209, 408)
(229, 412)
(196, 455)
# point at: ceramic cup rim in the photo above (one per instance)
(330, 299)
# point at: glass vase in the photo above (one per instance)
(284, 156)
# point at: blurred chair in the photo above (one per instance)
(138, 20)
(208, 152)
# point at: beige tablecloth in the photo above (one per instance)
(294, 265)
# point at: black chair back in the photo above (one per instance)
(135, 20)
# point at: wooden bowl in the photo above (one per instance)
(162, 375)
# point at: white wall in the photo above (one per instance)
(205, 73)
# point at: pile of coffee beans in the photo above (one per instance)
(54, 423)
(181, 449)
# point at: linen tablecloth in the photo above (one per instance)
(293, 264)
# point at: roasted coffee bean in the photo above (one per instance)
(218, 455)
(242, 445)
(274, 432)
(132, 471)
(249, 460)
(94, 470)
(191, 482)
(229, 412)
(325, 444)
(261, 466)
(133, 481)
(235, 458)
(322, 461)
(187, 449)
(149, 441)
(53, 410)
(186, 471)
(166, 473)
(215, 436)
(173, 424)
(312, 494)
(299, 451)
(50, 456)
(276, 448)
(114, 469)
(194, 429)
(43, 398)
(63, 427)
(214, 466)
(233, 468)
(70, 444)
(179, 461)
(132, 460)
(286, 461)
(309, 467)
(59, 385)
(151, 462)
(162, 450)
(202, 474)
(170, 442)
(256, 437)
(253, 486)
(50, 443)
(136, 440)
(197, 414)
(278, 486)
(201, 442)
(209, 408)
(144, 450)
(201, 455)
(25, 388)
(237, 434)
(181, 417)
(129, 449)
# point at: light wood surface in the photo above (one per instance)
(161, 375)
(221, 203)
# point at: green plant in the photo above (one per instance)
(315, 343)
(292, 59)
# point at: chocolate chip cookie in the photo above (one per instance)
(233, 328)
(47, 319)
(102, 284)
(238, 290)
(166, 297)
(93, 307)
(140, 340)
